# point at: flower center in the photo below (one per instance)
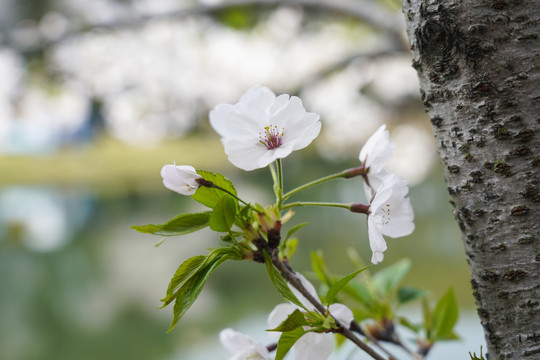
(385, 214)
(271, 137)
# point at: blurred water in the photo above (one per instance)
(79, 284)
(468, 328)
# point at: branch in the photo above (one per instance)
(368, 13)
(289, 276)
(388, 51)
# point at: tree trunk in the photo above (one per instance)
(478, 65)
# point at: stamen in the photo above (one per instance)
(271, 137)
(386, 214)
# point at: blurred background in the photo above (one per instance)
(96, 96)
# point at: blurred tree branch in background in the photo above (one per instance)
(367, 12)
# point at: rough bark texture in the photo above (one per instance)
(478, 64)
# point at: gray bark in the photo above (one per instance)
(478, 65)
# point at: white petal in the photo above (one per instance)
(314, 346)
(303, 133)
(278, 315)
(397, 229)
(375, 182)
(376, 240)
(253, 352)
(377, 257)
(377, 150)
(247, 155)
(392, 189)
(258, 96)
(279, 104)
(342, 314)
(228, 121)
(256, 104)
(234, 341)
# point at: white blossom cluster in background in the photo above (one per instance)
(158, 80)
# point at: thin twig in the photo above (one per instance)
(289, 276)
(357, 328)
(415, 355)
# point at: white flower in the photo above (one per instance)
(311, 346)
(180, 178)
(261, 127)
(374, 155)
(391, 214)
(242, 347)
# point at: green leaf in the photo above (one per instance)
(222, 217)
(288, 247)
(180, 225)
(361, 293)
(406, 322)
(239, 18)
(295, 229)
(279, 282)
(319, 267)
(211, 196)
(287, 340)
(192, 286)
(445, 317)
(294, 320)
(387, 279)
(427, 316)
(184, 272)
(407, 293)
(338, 285)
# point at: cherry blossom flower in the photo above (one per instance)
(374, 155)
(390, 214)
(180, 178)
(242, 347)
(312, 345)
(261, 127)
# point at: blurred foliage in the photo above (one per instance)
(110, 167)
(239, 18)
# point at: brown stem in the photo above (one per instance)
(415, 355)
(289, 276)
(358, 329)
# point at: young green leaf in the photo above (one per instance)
(295, 229)
(428, 318)
(387, 279)
(211, 196)
(180, 225)
(279, 282)
(408, 324)
(445, 317)
(287, 340)
(222, 217)
(288, 247)
(407, 293)
(184, 272)
(192, 286)
(294, 320)
(319, 267)
(338, 285)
